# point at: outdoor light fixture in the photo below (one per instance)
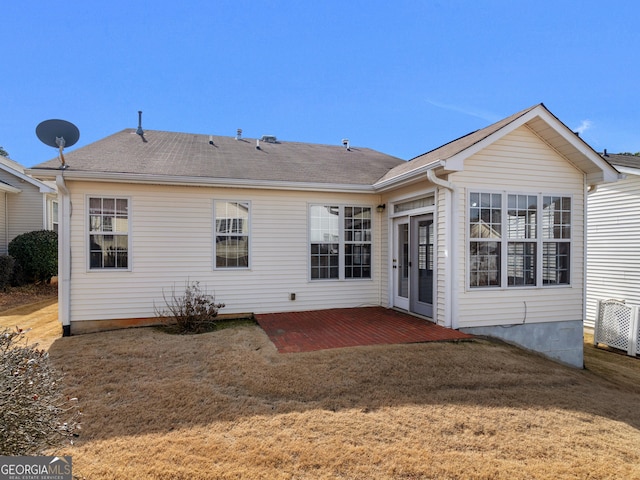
(381, 208)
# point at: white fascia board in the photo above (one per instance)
(407, 177)
(628, 171)
(201, 181)
(607, 173)
(4, 187)
(41, 186)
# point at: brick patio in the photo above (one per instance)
(294, 332)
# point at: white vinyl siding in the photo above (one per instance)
(519, 162)
(613, 256)
(25, 210)
(171, 242)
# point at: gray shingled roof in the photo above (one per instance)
(618, 160)
(191, 155)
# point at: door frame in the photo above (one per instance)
(410, 303)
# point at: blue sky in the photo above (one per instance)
(402, 77)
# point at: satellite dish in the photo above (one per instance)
(58, 134)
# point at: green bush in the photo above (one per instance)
(6, 270)
(36, 254)
(34, 413)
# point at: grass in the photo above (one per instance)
(225, 404)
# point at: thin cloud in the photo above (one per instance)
(472, 112)
(583, 127)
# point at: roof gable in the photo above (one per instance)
(17, 170)
(451, 156)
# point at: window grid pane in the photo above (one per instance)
(232, 234)
(325, 259)
(521, 263)
(556, 222)
(522, 216)
(108, 227)
(485, 219)
(357, 235)
(556, 258)
(484, 264)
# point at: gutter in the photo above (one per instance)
(64, 256)
(450, 271)
(115, 177)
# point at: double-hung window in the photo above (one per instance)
(340, 242)
(108, 233)
(518, 240)
(231, 234)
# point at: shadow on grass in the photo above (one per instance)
(29, 308)
(144, 381)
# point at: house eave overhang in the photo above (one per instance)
(26, 178)
(4, 187)
(150, 179)
(418, 175)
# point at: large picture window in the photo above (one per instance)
(231, 234)
(340, 242)
(108, 233)
(519, 240)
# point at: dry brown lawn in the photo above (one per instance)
(225, 404)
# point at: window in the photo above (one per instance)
(54, 216)
(340, 242)
(519, 240)
(108, 233)
(231, 234)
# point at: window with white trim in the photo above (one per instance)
(231, 245)
(54, 216)
(340, 242)
(108, 233)
(519, 240)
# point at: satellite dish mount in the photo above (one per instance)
(58, 134)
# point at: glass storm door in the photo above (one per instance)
(401, 262)
(422, 264)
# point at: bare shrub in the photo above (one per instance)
(193, 311)
(34, 413)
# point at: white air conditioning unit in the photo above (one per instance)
(617, 326)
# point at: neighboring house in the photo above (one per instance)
(485, 234)
(26, 204)
(613, 260)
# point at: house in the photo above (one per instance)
(485, 234)
(613, 260)
(26, 204)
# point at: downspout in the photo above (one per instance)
(450, 274)
(6, 222)
(64, 256)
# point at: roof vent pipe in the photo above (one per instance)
(345, 143)
(238, 134)
(605, 153)
(257, 144)
(139, 131)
